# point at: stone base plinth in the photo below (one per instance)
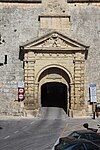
(34, 113)
(77, 113)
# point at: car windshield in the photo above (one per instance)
(86, 135)
(74, 134)
(75, 147)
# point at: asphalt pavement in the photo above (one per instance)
(40, 133)
(77, 124)
(29, 133)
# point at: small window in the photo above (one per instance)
(5, 59)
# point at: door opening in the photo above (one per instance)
(54, 94)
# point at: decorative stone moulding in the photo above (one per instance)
(22, 1)
(53, 16)
(83, 1)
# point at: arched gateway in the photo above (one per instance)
(54, 87)
(54, 74)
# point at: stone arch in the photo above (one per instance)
(58, 76)
(53, 66)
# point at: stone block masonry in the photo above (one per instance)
(29, 20)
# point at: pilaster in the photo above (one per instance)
(29, 74)
(78, 83)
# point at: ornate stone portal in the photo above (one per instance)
(66, 59)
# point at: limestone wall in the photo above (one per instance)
(19, 24)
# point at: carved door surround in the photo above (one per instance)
(54, 50)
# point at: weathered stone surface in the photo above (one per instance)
(22, 1)
(21, 23)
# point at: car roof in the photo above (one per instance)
(72, 141)
(84, 131)
(81, 141)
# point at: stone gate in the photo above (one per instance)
(54, 57)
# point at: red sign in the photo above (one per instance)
(20, 90)
(21, 97)
(20, 93)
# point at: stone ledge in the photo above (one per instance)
(22, 1)
(83, 1)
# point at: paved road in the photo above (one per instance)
(39, 133)
(33, 133)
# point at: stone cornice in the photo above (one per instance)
(21, 1)
(57, 49)
(83, 1)
(53, 16)
(53, 34)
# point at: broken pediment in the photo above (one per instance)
(54, 41)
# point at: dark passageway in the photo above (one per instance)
(54, 94)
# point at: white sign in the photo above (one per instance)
(93, 93)
(98, 105)
(20, 84)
